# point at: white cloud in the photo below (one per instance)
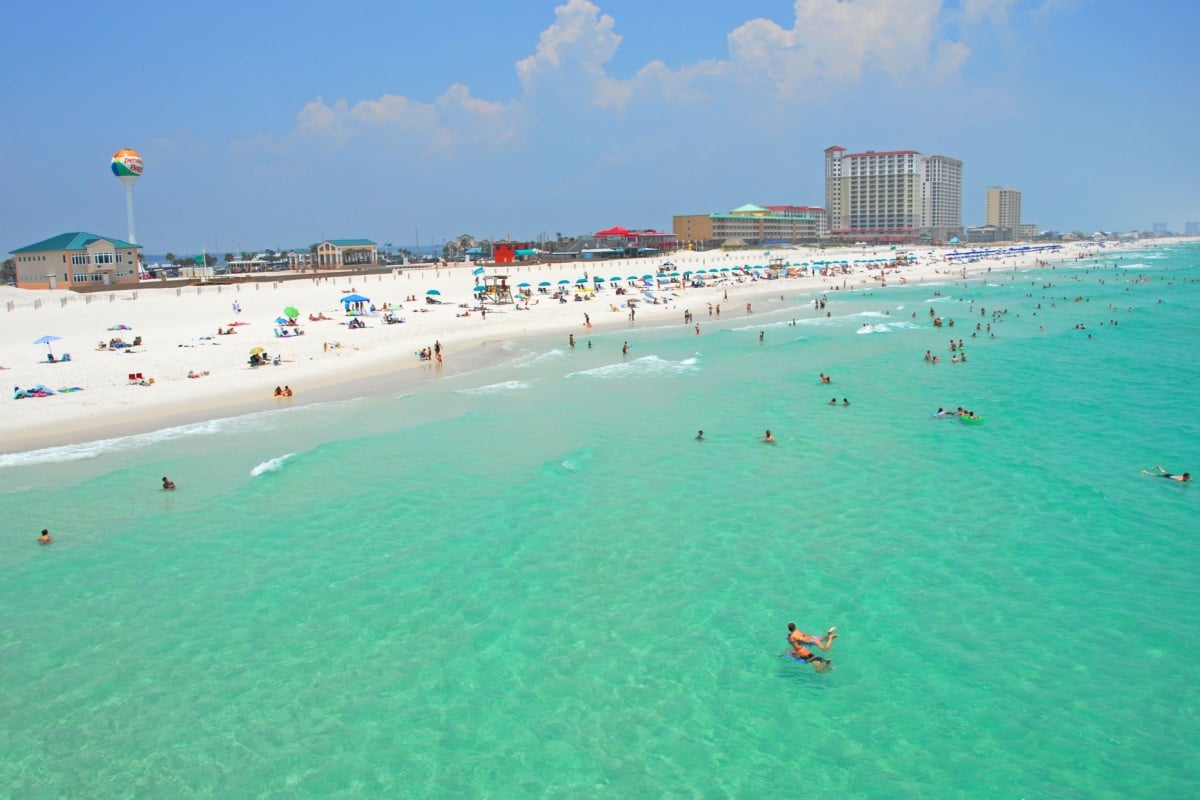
(581, 38)
(836, 41)
(830, 45)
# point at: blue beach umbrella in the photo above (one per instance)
(615, 278)
(581, 280)
(281, 320)
(597, 279)
(544, 283)
(522, 285)
(563, 281)
(477, 271)
(482, 288)
(433, 291)
(46, 340)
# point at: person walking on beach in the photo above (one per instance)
(45, 537)
(1162, 473)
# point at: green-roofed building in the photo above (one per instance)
(752, 224)
(77, 260)
(342, 253)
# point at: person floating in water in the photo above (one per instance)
(168, 483)
(768, 438)
(700, 436)
(45, 537)
(800, 641)
(1162, 473)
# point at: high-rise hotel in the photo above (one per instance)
(898, 195)
(1003, 210)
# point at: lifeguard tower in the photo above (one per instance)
(495, 290)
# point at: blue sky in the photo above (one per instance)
(279, 124)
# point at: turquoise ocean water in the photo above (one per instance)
(530, 581)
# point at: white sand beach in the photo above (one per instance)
(176, 331)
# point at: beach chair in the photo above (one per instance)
(133, 378)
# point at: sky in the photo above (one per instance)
(280, 124)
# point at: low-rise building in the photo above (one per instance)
(342, 253)
(77, 260)
(752, 224)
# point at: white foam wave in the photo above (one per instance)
(644, 366)
(537, 358)
(78, 452)
(496, 388)
(272, 465)
(256, 422)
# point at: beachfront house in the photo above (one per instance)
(77, 260)
(345, 253)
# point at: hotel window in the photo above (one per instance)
(79, 259)
(79, 277)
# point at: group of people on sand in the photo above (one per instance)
(283, 391)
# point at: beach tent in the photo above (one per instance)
(347, 299)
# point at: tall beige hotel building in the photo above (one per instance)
(1004, 210)
(893, 196)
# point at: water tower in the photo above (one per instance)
(127, 166)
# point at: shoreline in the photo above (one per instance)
(382, 357)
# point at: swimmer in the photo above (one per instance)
(700, 436)
(800, 641)
(768, 438)
(168, 483)
(833, 401)
(45, 537)
(825, 378)
(1162, 473)
(845, 401)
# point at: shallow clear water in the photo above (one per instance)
(532, 582)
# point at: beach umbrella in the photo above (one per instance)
(46, 340)
(281, 320)
(484, 288)
(477, 271)
(597, 279)
(544, 283)
(615, 278)
(563, 281)
(522, 285)
(632, 278)
(291, 312)
(433, 291)
(256, 351)
(647, 277)
(581, 280)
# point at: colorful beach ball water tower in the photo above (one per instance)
(127, 166)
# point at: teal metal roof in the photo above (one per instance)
(72, 241)
(350, 242)
(748, 208)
